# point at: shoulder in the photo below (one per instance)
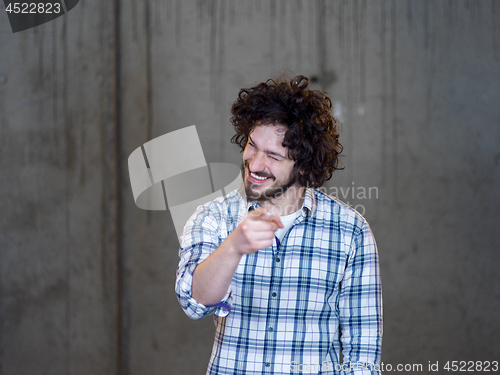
(333, 209)
(351, 227)
(218, 216)
(222, 207)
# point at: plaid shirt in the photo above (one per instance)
(294, 306)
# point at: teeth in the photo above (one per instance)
(258, 177)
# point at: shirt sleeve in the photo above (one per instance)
(199, 239)
(360, 306)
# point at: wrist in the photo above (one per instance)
(232, 245)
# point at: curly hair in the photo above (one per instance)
(311, 138)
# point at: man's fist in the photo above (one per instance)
(255, 231)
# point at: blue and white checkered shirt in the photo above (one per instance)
(295, 306)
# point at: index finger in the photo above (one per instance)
(273, 219)
(258, 213)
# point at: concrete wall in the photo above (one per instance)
(87, 277)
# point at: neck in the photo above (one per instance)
(288, 203)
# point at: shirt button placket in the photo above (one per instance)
(273, 307)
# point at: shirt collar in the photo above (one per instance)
(309, 204)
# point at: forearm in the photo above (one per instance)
(212, 277)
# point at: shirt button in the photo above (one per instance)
(278, 260)
(274, 294)
(270, 329)
(268, 364)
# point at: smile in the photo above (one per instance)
(256, 178)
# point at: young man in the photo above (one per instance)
(291, 274)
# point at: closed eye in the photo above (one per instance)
(273, 155)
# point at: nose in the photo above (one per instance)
(257, 162)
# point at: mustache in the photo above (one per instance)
(260, 174)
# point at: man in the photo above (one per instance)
(290, 273)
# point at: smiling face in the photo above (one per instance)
(267, 169)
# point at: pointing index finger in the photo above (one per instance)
(273, 219)
(261, 214)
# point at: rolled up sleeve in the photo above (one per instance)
(201, 236)
(183, 289)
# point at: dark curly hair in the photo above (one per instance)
(312, 138)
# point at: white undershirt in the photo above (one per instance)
(287, 222)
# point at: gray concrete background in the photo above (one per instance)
(87, 278)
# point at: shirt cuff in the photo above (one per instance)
(196, 310)
(223, 308)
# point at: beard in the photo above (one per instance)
(274, 191)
